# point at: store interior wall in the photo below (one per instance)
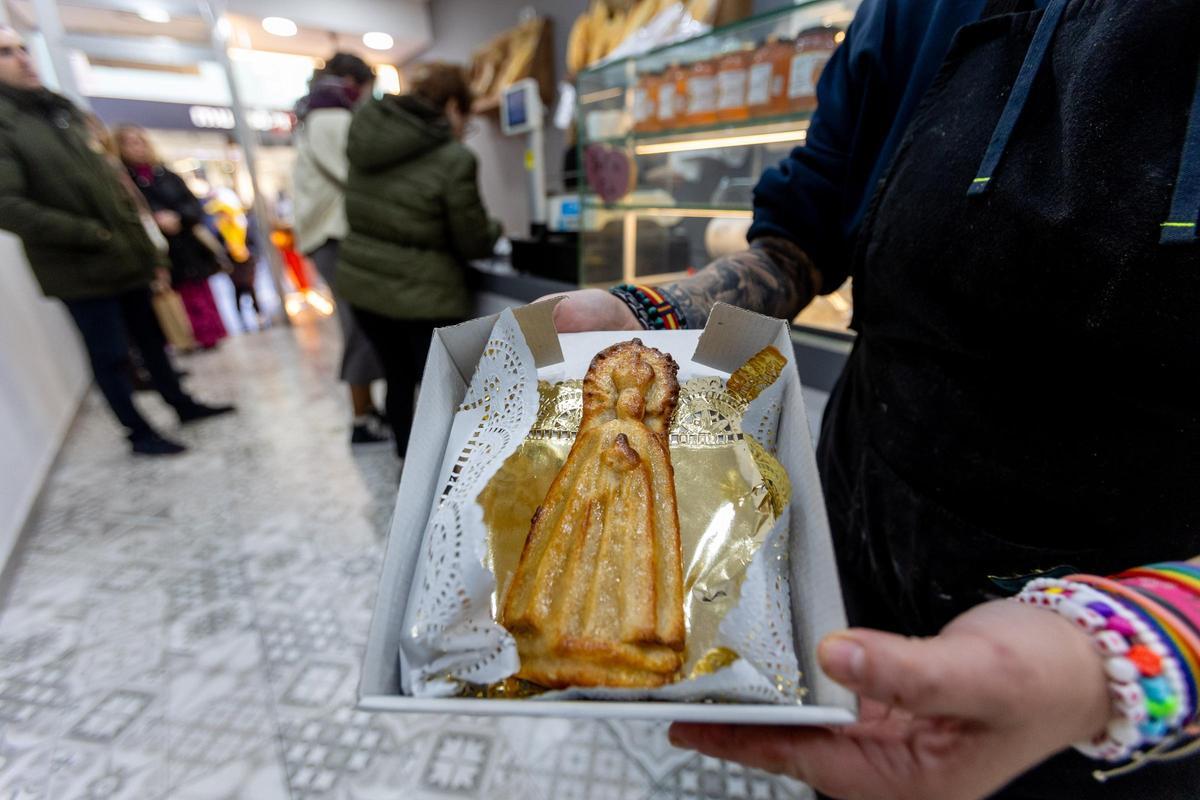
(459, 28)
(43, 375)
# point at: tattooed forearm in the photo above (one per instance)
(773, 277)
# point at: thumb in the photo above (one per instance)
(940, 676)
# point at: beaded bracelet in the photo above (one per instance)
(1184, 664)
(653, 310)
(1145, 679)
(1170, 625)
(1185, 742)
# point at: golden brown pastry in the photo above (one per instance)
(597, 597)
(598, 28)
(641, 14)
(577, 44)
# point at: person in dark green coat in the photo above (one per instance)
(85, 241)
(415, 217)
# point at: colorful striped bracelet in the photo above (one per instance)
(1145, 680)
(653, 310)
(1176, 585)
(1170, 626)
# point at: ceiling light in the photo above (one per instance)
(378, 41)
(151, 14)
(279, 26)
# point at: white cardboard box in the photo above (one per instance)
(731, 337)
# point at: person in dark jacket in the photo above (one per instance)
(180, 217)
(1014, 186)
(84, 240)
(415, 217)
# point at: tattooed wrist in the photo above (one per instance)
(773, 276)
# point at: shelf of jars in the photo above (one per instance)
(673, 141)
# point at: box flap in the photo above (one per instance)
(733, 335)
(537, 324)
(464, 343)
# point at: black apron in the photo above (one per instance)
(1019, 393)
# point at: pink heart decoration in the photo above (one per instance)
(611, 172)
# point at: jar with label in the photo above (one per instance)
(731, 83)
(702, 93)
(766, 83)
(809, 56)
(672, 94)
(645, 98)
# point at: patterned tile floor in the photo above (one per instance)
(191, 628)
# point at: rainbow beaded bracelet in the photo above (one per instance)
(1146, 682)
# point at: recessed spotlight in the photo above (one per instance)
(376, 40)
(151, 14)
(279, 26)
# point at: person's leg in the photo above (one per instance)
(359, 365)
(360, 399)
(202, 311)
(239, 314)
(248, 291)
(138, 316)
(389, 339)
(143, 326)
(100, 323)
(414, 337)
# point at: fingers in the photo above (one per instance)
(567, 318)
(961, 676)
(771, 748)
(564, 320)
(833, 763)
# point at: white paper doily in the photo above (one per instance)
(449, 630)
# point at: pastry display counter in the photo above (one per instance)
(673, 141)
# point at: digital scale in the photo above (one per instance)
(521, 113)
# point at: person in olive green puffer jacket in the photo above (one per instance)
(65, 203)
(415, 217)
(85, 241)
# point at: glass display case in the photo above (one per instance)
(672, 143)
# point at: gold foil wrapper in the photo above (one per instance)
(729, 491)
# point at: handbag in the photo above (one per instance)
(153, 233)
(173, 319)
(214, 246)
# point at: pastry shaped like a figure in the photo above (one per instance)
(597, 598)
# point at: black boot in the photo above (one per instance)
(198, 411)
(152, 444)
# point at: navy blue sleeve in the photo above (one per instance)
(817, 196)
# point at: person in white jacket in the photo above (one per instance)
(320, 182)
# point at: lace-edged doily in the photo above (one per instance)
(449, 630)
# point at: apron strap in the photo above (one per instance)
(1180, 227)
(1020, 94)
